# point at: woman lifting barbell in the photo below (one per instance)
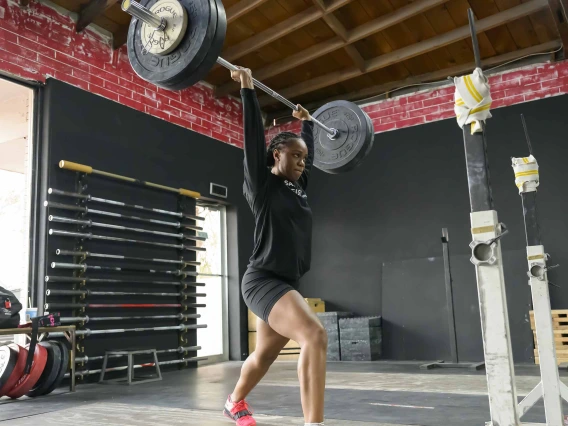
(274, 186)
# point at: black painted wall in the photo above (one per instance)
(377, 248)
(85, 128)
(377, 231)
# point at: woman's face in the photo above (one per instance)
(290, 160)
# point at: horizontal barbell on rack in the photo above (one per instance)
(343, 135)
(89, 223)
(89, 236)
(86, 254)
(60, 279)
(88, 197)
(51, 292)
(87, 319)
(180, 350)
(86, 210)
(82, 168)
(85, 267)
(89, 332)
(121, 305)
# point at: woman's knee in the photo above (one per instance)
(314, 334)
(266, 356)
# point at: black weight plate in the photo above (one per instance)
(51, 370)
(192, 75)
(63, 366)
(8, 359)
(371, 134)
(211, 57)
(354, 142)
(187, 57)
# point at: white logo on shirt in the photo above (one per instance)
(295, 189)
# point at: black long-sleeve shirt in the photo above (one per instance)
(283, 218)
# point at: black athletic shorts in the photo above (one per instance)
(262, 289)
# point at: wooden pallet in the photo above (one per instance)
(556, 323)
(560, 331)
(556, 313)
(558, 360)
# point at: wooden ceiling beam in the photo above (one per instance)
(279, 30)
(90, 11)
(273, 33)
(339, 29)
(356, 57)
(456, 70)
(336, 26)
(417, 49)
(242, 8)
(318, 50)
(119, 37)
(558, 10)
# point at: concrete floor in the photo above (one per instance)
(358, 394)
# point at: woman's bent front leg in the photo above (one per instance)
(292, 317)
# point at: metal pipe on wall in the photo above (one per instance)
(89, 332)
(89, 236)
(87, 319)
(120, 305)
(60, 279)
(85, 267)
(86, 254)
(51, 292)
(86, 210)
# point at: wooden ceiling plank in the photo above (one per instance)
(323, 48)
(336, 26)
(242, 8)
(119, 37)
(90, 11)
(429, 77)
(557, 8)
(336, 4)
(411, 51)
(356, 57)
(277, 31)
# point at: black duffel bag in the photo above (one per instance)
(10, 308)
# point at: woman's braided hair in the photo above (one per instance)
(280, 140)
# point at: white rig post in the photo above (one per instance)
(550, 388)
(472, 103)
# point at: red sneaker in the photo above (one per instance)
(240, 412)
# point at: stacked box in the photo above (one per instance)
(330, 321)
(360, 338)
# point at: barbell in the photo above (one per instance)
(175, 43)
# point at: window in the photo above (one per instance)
(16, 110)
(213, 339)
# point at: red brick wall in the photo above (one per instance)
(508, 88)
(38, 42)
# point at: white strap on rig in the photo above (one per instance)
(472, 100)
(526, 173)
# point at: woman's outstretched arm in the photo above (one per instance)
(254, 142)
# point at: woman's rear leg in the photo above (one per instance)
(268, 345)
